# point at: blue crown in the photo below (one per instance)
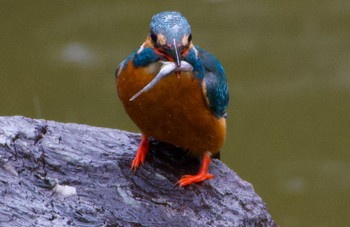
(172, 25)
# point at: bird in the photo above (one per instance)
(176, 92)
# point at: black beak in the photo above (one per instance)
(175, 54)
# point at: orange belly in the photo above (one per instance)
(174, 111)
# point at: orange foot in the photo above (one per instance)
(141, 153)
(201, 176)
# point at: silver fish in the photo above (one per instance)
(166, 69)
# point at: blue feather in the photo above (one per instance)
(145, 57)
(172, 25)
(215, 83)
(198, 69)
(124, 63)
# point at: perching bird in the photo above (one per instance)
(175, 92)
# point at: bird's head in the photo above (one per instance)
(170, 37)
(170, 34)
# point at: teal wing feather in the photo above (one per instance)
(141, 59)
(122, 65)
(215, 83)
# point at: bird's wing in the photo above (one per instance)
(123, 64)
(214, 83)
(140, 57)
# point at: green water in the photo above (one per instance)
(288, 68)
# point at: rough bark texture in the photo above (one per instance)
(38, 158)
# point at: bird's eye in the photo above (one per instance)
(189, 38)
(154, 37)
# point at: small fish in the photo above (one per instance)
(166, 69)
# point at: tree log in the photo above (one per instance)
(59, 174)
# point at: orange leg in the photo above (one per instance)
(201, 176)
(141, 153)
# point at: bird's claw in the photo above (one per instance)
(190, 179)
(140, 154)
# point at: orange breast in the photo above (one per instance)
(174, 111)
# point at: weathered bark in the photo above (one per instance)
(38, 157)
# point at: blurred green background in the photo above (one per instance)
(288, 68)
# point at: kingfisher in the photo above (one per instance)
(175, 92)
